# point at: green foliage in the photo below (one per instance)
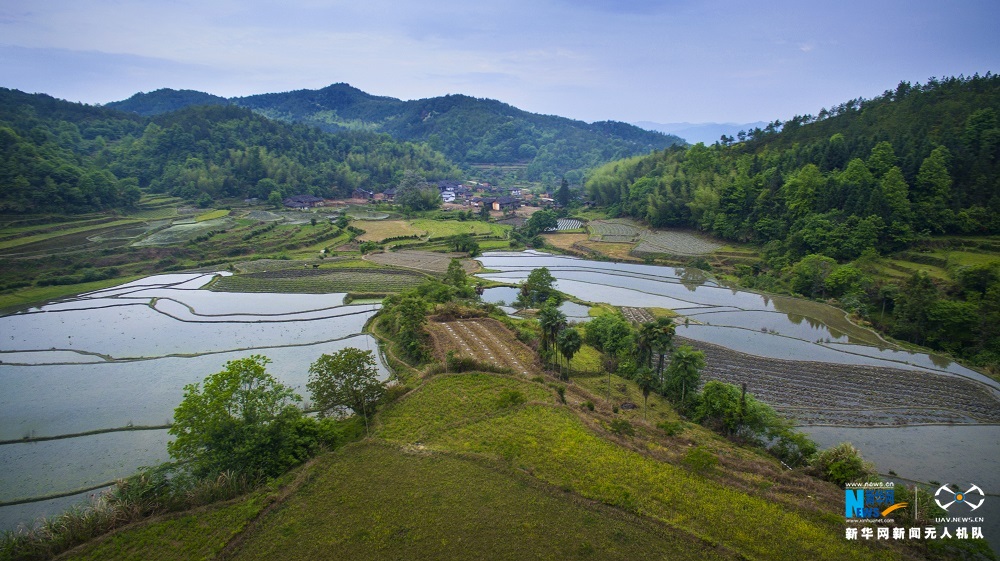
(537, 289)
(241, 420)
(609, 333)
(699, 460)
(415, 196)
(539, 222)
(680, 384)
(843, 464)
(64, 157)
(621, 427)
(465, 243)
(347, 378)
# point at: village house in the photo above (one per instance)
(303, 201)
(360, 193)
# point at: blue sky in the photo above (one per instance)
(627, 60)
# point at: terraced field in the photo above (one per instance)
(425, 261)
(618, 230)
(568, 224)
(485, 340)
(321, 281)
(819, 393)
(673, 242)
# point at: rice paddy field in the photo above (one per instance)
(322, 280)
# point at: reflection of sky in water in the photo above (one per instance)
(497, 294)
(49, 400)
(956, 454)
(622, 284)
(791, 326)
(43, 398)
(40, 468)
(140, 331)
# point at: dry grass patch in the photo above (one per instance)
(376, 231)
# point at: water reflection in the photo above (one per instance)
(121, 356)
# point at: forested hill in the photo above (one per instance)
(468, 130)
(833, 200)
(57, 156)
(868, 174)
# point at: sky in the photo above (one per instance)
(625, 60)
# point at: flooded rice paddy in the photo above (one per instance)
(119, 359)
(923, 416)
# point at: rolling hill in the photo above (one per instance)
(468, 130)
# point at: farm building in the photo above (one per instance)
(303, 201)
(360, 193)
(502, 203)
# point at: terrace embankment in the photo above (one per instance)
(822, 393)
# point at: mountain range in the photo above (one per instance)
(467, 130)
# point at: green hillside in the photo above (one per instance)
(459, 469)
(468, 130)
(57, 156)
(913, 174)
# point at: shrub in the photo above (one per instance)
(511, 398)
(843, 464)
(622, 427)
(699, 460)
(589, 405)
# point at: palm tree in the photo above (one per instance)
(569, 343)
(683, 372)
(647, 383)
(552, 321)
(662, 339)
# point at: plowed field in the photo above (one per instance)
(486, 340)
(819, 393)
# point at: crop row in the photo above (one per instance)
(319, 281)
(431, 262)
(618, 229)
(637, 315)
(484, 340)
(675, 243)
(864, 392)
(568, 224)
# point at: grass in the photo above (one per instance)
(211, 215)
(556, 447)
(379, 502)
(16, 242)
(445, 228)
(587, 359)
(320, 281)
(197, 534)
(378, 230)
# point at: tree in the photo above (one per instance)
(347, 378)
(539, 222)
(456, 275)
(683, 373)
(551, 321)
(241, 420)
(465, 243)
(414, 195)
(537, 288)
(569, 342)
(562, 193)
(274, 199)
(647, 383)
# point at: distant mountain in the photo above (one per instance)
(694, 133)
(165, 101)
(57, 156)
(466, 129)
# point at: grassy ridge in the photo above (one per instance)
(476, 466)
(556, 447)
(375, 501)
